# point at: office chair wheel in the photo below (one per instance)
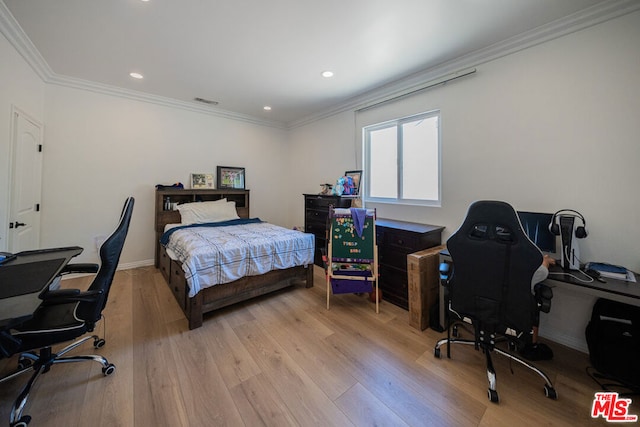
(109, 369)
(493, 396)
(24, 363)
(436, 352)
(22, 422)
(550, 392)
(99, 342)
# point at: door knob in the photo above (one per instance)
(20, 224)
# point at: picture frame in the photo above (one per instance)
(356, 175)
(202, 180)
(231, 177)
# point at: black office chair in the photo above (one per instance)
(489, 285)
(66, 314)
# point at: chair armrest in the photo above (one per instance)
(80, 268)
(60, 293)
(64, 296)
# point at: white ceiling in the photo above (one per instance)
(249, 53)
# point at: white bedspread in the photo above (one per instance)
(216, 255)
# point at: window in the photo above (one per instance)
(402, 160)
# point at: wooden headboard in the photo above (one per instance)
(169, 216)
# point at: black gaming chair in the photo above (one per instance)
(66, 314)
(489, 285)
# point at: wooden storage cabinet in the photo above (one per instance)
(396, 240)
(424, 283)
(180, 196)
(316, 211)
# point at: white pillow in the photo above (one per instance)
(200, 212)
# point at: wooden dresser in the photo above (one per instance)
(397, 239)
(316, 211)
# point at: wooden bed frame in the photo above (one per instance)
(215, 297)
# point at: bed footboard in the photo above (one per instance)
(219, 296)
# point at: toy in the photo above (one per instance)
(344, 186)
(349, 187)
(338, 189)
(326, 189)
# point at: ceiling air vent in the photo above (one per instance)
(206, 101)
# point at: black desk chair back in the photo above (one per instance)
(67, 314)
(490, 284)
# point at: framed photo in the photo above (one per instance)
(356, 176)
(230, 177)
(202, 180)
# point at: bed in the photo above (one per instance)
(216, 255)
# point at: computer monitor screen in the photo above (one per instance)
(536, 225)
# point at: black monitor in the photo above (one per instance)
(536, 226)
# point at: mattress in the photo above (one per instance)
(217, 253)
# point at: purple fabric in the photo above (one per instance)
(359, 216)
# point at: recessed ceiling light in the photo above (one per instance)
(136, 75)
(267, 108)
(327, 74)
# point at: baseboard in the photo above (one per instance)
(136, 264)
(125, 266)
(566, 340)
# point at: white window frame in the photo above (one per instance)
(366, 134)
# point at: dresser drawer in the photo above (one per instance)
(320, 202)
(400, 241)
(316, 216)
(320, 230)
(394, 286)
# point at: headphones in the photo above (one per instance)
(581, 231)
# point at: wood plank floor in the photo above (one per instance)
(284, 360)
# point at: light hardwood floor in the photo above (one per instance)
(283, 360)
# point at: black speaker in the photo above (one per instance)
(554, 227)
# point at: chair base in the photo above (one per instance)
(487, 349)
(41, 362)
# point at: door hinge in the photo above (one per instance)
(39, 148)
(37, 207)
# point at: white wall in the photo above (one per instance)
(101, 148)
(321, 152)
(21, 87)
(554, 126)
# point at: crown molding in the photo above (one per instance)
(586, 18)
(76, 83)
(10, 28)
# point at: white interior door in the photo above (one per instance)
(26, 183)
